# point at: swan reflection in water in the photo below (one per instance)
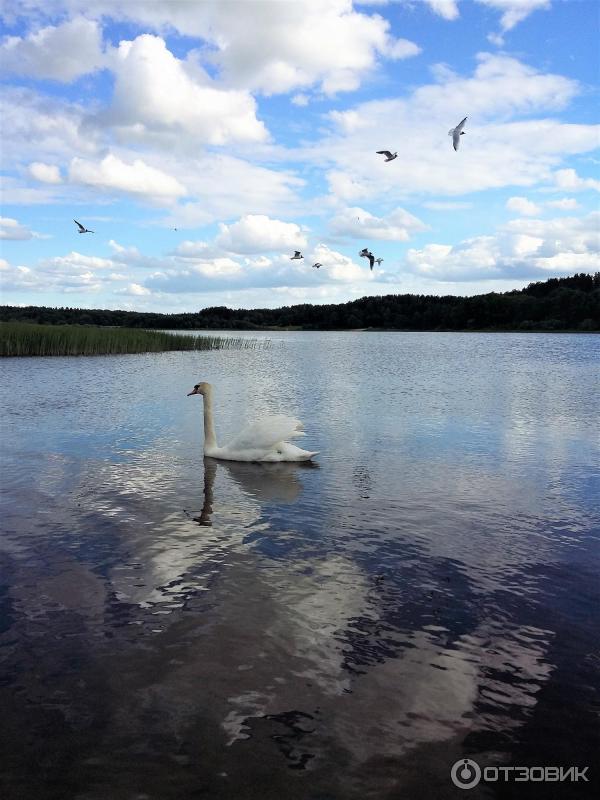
(276, 482)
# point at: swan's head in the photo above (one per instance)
(200, 388)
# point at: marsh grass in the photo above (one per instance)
(27, 339)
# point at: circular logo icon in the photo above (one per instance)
(465, 773)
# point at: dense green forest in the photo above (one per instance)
(571, 304)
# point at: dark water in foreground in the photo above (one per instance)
(430, 591)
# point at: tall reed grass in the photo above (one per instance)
(28, 339)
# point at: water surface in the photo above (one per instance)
(179, 628)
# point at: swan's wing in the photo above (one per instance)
(266, 433)
(456, 138)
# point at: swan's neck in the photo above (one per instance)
(210, 440)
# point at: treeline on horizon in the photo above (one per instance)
(568, 304)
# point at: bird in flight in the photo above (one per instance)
(364, 253)
(378, 261)
(317, 264)
(457, 132)
(388, 156)
(297, 255)
(81, 228)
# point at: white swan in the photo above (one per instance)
(264, 440)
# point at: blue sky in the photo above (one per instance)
(204, 142)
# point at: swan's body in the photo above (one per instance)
(265, 440)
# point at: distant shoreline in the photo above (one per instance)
(557, 305)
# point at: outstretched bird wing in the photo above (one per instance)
(79, 225)
(384, 153)
(455, 133)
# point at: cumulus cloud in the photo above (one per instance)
(501, 151)
(256, 233)
(11, 229)
(514, 11)
(522, 206)
(136, 178)
(61, 53)
(523, 248)
(159, 97)
(564, 204)
(46, 173)
(285, 49)
(133, 290)
(222, 187)
(448, 9)
(569, 179)
(206, 273)
(74, 272)
(357, 223)
(41, 128)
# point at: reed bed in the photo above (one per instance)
(28, 339)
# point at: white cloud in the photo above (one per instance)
(60, 53)
(287, 48)
(300, 99)
(222, 186)
(11, 229)
(496, 151)
(74, 272)
(569, 179)
(256, 233)
(522, 206)
(14, 192)
(514, 11)
(564, 204)
(523, 248)
(137, 178)
(158, 97)
(339, 267)
(193, 250)
(448, 9)
(75, 261)
(205, 273)
(41, 128)
(290, 47)
(46, 173)
(357, 223)
(133, 290)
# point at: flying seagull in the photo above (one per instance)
(317, 264)
(367, 254)
(457, 132)
(81, 228)
(297, 255)
(388, 156)
(378, 261)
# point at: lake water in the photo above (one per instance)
(428, 591)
